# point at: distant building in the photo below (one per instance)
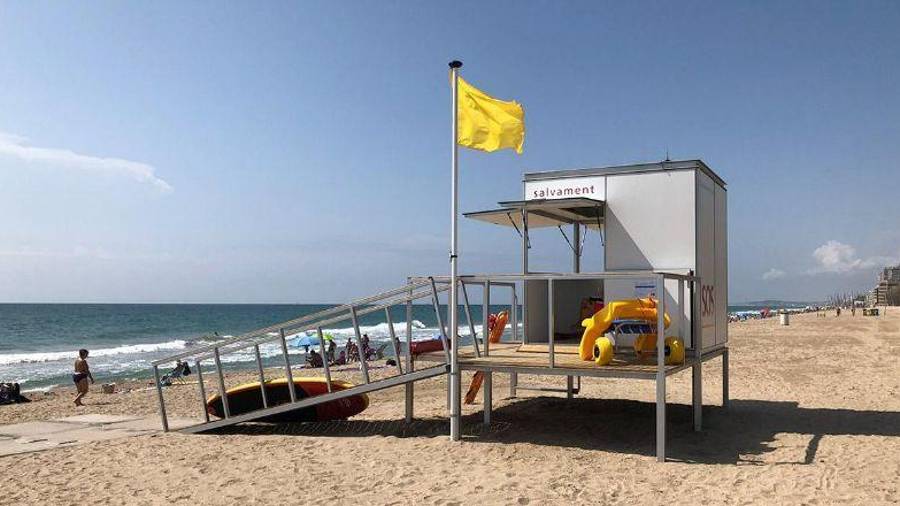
(887, 291)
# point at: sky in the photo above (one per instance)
(300, 151)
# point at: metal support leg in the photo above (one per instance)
(324, 354)
(395, 343)
(486, 318)
(440, 320)
(514, 314)
(570, 387)
(682, 321)
(162, 403)
(725, 398)
(465, 295)
(288, 374)
(450, 394)
(202, 390)
(225, 409)
(409, 360)
(697, 395)
(660, 370)
(513, 377)
(363, 365)
(488, 387)
(551, 324)
(262, 377)
(660, 417)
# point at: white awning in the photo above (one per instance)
(545, 213)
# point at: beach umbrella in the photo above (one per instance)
(310, 340)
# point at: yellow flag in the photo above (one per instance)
(486, 123)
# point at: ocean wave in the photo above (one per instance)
(53, 356)
(377, 331)
(134, 360)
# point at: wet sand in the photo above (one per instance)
(814, 419)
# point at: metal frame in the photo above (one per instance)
(427, 289)
(435, 285)
(419, 375)
(693, 360)
(627, 169)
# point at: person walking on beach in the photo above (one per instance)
(331, 350)
(81, 376)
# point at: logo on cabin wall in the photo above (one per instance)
(592, 187)
(570, 191)
(707, 300)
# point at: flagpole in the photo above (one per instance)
(455, 379)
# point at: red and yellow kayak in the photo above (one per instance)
(248, 397)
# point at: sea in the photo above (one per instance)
(39, 342)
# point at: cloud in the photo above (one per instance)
(81, 252)
(839, 258)
(17, 147)
(773, 273)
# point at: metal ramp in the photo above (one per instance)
(416, 289)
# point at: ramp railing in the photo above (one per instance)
(418, 289)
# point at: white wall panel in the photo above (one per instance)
(706, 259)
(721, 289)
(650, 225)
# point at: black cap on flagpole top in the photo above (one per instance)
(455, 64)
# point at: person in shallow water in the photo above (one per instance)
(81, 376)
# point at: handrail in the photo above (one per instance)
(413, 290)
(234, 346)
(310, 322)
(310, 319)
(416, 288)
(497, 279)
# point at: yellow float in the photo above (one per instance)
(629, 309)
(645, 346)
(603, 351)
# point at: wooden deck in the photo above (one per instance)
(535, 359)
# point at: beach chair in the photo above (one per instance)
(379, 353)
(314, 360)
(177, 374)
(10, 393)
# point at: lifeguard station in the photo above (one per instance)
(663, 235)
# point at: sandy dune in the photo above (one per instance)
(815, 419)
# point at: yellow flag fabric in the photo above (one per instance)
(486, 123)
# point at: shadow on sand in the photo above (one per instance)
(741, 433)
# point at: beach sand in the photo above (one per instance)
(814, 419)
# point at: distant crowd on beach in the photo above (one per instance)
(823, 311)
(349, 354)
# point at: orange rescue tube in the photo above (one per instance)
(494, 337)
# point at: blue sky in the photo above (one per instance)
(299, 152)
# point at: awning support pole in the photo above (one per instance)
(409, 392)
